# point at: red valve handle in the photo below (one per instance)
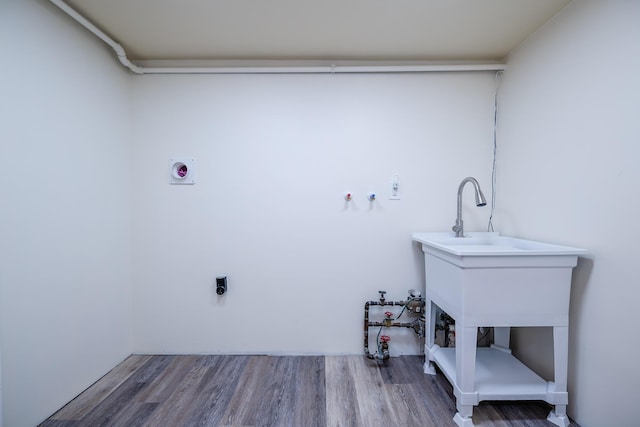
(385, 338)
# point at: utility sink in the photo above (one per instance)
(488, 280)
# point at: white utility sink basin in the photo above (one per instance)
(491, 244)
(484, 249)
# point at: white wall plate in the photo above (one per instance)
(182, 170)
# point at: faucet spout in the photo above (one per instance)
(480, 201)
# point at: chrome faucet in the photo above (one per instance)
(480, 201)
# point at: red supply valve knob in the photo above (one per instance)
(388, 313)
(385, 338)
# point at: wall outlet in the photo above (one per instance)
(394, 193)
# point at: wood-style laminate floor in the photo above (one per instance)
(297, 391)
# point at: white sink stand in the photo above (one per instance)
(501, 292)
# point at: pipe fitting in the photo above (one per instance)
(416, 305)
(384, 347)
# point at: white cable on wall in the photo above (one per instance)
(178, 68)
(495, 151)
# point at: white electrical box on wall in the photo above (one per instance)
(182, 170)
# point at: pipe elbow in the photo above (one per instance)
(122, 57)
(130, 65)
(117, 47)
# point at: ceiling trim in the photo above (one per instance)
(272, 67)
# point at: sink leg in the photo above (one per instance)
(462, 421)
(560, 358)
(463, 417)
(559, 419)
(466, 396)
(559, 394)
(430, 315)
(429, 368)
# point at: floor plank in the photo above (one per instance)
(79, 406)
(165, 383)
(177, 406)
(215, 390)
(341, 401)
(310, 407)
(373, 400)
(242, 407)
(110, 409)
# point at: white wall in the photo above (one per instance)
(275, 155)
(1, 416)
(65, 258)
(569, 146)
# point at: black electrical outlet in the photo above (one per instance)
(221, 285)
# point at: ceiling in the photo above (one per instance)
(359, 30)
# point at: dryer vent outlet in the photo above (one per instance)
(182, 170)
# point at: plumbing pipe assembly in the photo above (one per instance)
(414, 305)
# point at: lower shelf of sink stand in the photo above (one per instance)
(498, 375)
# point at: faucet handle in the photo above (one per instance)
(458, 228)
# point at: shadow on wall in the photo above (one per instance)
(580, 280)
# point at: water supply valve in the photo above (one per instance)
(382, 296)
(384, 346)
(388, 318)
